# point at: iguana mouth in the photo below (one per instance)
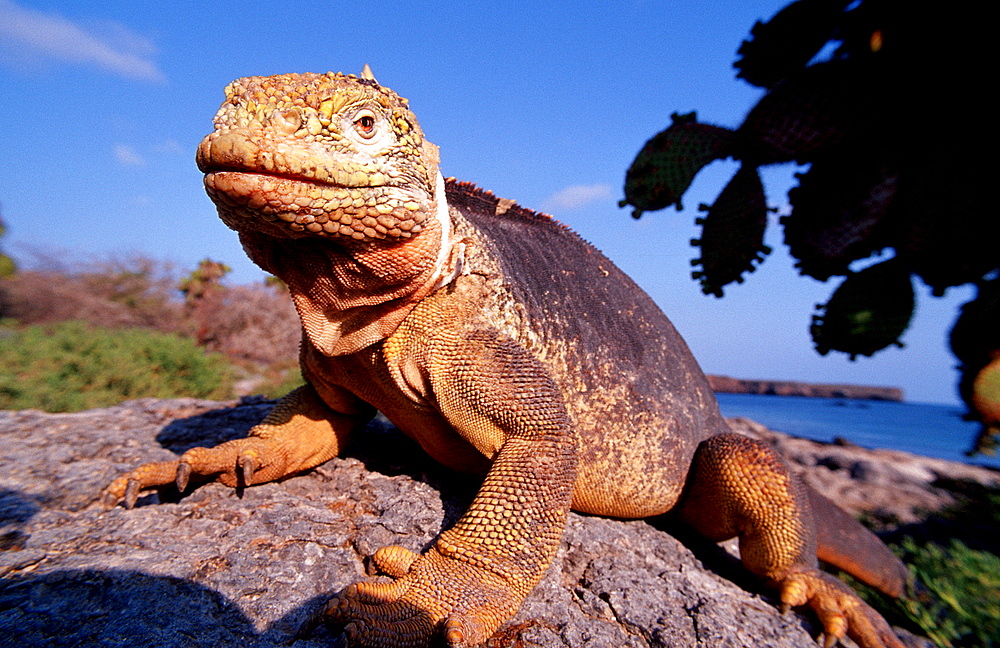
(221, 168)
(304, 205)
(243, 151)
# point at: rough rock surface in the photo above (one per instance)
(226, 569)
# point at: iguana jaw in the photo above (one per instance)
(288, 206)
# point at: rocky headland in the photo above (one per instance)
(727, 385)
(225, 569)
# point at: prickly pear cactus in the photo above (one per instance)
(802, 115)
(865, 98)
(868, 312)
(788, 41)
(840, 214)
(732, 234)
(666, 165)
(985, 402)
(975, 341)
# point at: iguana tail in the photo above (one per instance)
(843, 542)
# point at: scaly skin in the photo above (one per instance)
(504, 345)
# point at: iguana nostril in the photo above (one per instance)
(286, 121)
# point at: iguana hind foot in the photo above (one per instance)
(741, 487)
(840, 611)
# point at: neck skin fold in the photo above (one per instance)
(350, 295)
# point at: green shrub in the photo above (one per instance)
(959, 604)
(71, 366)
(280, 379)
(952, 556)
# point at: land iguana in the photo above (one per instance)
(505, 346)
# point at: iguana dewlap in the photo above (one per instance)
(504, 345)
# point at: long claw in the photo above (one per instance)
(183, 474)
(247, 467)
(309, 625)
(131, 493)
(829, 640)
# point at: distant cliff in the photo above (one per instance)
(728, 385)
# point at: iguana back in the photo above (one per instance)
(636, 395)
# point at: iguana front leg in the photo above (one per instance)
(478, 572)
(301, 432)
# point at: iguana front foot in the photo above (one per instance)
(236, 463)
(840, 610)
(439, 593)
(301, 432)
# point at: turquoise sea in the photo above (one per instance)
(931, 430)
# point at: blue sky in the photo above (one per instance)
(103, 104)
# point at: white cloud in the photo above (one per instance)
(30, 33)
(171, 147)
(577, 196)
(128, 156)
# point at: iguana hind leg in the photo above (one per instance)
(301, 432)
(739, 487)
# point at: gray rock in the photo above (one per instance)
(223, 568)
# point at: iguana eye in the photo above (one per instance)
(364, 124)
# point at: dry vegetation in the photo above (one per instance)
(253, 327)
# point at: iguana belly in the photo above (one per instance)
(365, 376)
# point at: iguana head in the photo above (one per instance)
(326, 155)
(333, 188)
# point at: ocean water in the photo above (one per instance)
(930, 430)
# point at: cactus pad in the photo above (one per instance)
(802, 116)
(838, 214)
(785, 43)
(732, 235)
(666, 165)
(867, 312)
(975, 341)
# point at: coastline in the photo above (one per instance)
(729, 385)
